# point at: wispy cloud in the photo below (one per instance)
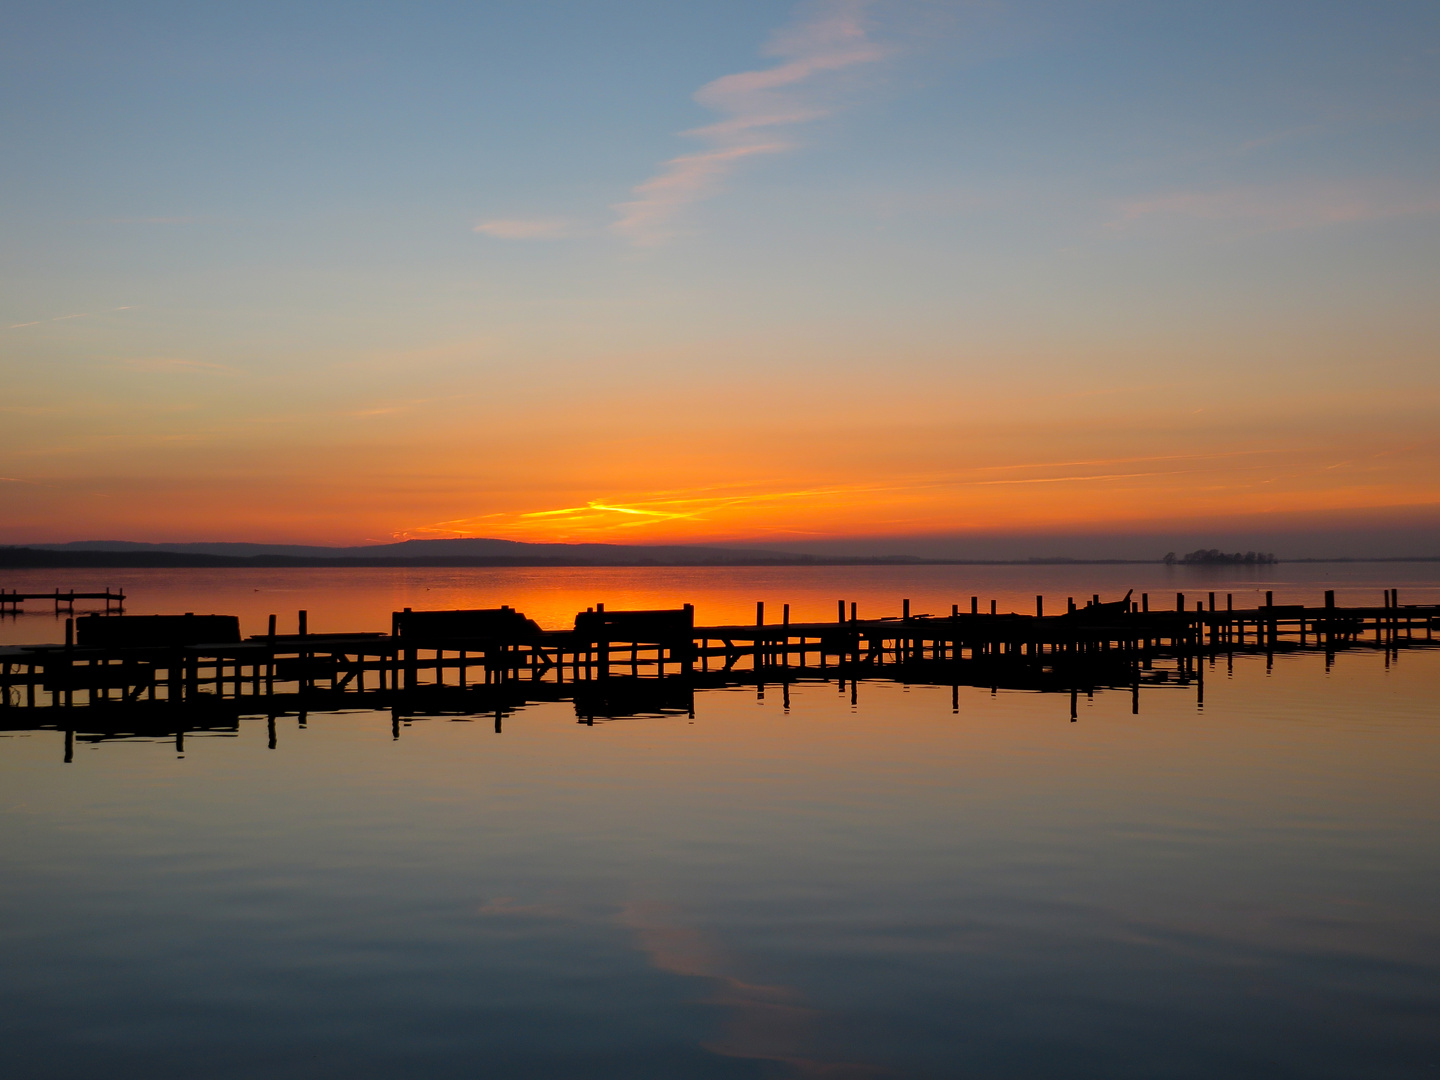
(525, 228)
(755, 510)
(757, 108)
(1279, 208)
(65, 318)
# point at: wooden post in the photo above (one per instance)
(974, 605)
(854, 609)
(1145, 602)
(992, 607)
(759, 612)
(1039, 607)
(602, 650)
(687, 658)
(840, 617)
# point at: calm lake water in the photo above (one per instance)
(891, 888)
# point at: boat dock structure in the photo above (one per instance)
(11, 599)
(171, 673)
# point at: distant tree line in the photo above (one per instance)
(1216, 557)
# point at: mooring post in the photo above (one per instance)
(602, 647)
(974, 605)
(1039, 607)
(408, 656)
(304, 623)
(759, 612)
(687, 660)
(785, 641)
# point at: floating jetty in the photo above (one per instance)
(172, 673)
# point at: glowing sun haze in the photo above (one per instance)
(646, 272)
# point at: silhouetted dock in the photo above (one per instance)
(174, 672)
(10, 600)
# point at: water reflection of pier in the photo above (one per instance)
(169, 675)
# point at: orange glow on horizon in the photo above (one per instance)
(607, 465)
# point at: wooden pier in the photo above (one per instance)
(10, 600)
(180, 672)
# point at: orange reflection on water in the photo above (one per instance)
(340, 599)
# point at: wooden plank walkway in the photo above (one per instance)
(630, 660)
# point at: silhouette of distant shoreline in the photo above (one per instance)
(121, 554)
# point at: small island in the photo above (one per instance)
(1216, 557)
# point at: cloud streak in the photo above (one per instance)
(66, 318)
(757, 109)
(1279, 208)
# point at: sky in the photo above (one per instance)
(897, 275)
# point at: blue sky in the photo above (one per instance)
(236, 232)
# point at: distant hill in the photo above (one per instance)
(618, 554)
(468, 552)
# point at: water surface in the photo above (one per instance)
(896, 887)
